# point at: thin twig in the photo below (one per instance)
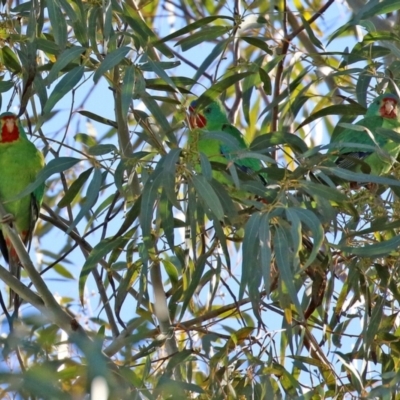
(279, 70)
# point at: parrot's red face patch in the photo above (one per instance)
(196, 120)
(9, 129)
(388, 108)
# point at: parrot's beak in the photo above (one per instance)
(196, 120)
(389, 108)
(10, 123)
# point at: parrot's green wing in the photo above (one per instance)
(20, 163)
(248, 165)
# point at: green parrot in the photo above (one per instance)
(383, 112)
(213, 118)
(20, 163)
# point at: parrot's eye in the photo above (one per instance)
(207, 110)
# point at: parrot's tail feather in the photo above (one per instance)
(15, 269)
(3, 247)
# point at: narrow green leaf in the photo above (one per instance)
(373, 37)
(191, 213)
(179, 358)
(216, 52)
(74, 189)
(356, 379)
(342, 109)
(6, 85)
(205, 166)
(359, 177)
(47, 46)
(149, 195)
(309, 218)
(130, 217)
(54, 166)
(107, 11)
(66, 84)
(219, 87)
(362, 86)
(250, 251)
(10, 60)
(119, 175)
(252, 154)
(157, 68)
(98, 252)
(147, 66)
(140, 27)
(265, 251)
(77, 18)
(40, 89)
(281, 245)
(295, 231)
(167, 218)
(207, 196)
(69, 10)
(84, 138)
(32, 24)
(110, 61)
(258, 42)
(102, 149)
(225, 199)
(58, 23)
(194, 282)
(195, 25)
(159, 116)
(311, 34)
(98, 118)
(384, 7)
(92, 195)
(317, 189)
(153, 83)
(168, 385)
(169, 171)
(65, 58)
(374, 322)
(127, 90)
(266, 80)
(264, 142)
(207, 34)
(248, 86)
(374, 250)
(171, 271)
(380, 224)
(125, 284)
(219, 232)
(61, 270)
(94, 14)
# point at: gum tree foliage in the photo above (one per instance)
(157, 277)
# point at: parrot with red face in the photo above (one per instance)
(213, 118)
(383, 112)
(20, 163)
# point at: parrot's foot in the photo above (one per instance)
(7, 219)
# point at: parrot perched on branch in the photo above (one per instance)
(383, 112)
(20, 163)
(213, 118)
